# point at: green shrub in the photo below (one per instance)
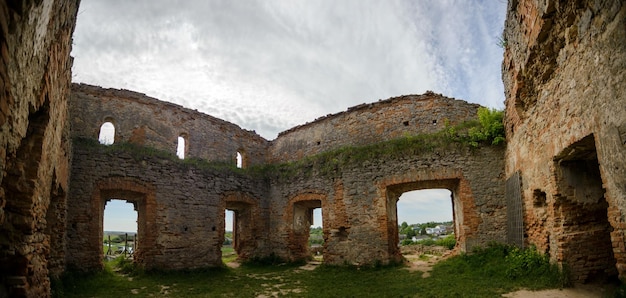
(407, 242)
(490, 130)
(449, 241)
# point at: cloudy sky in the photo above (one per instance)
(270, 65)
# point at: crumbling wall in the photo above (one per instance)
(358, 199)
(371, 123)
(358, 202)
(34, 148)
(146, 121)
(564, 72)
(180, 208)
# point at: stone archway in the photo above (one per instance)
(142, 197)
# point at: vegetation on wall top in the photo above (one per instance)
(487, 130)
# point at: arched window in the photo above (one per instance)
(107, 133)
(180, 149)
(239, 160)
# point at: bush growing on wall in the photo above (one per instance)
(491, 127)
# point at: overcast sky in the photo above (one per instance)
(271, 65)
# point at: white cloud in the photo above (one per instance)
(271, 65)
(421, 206)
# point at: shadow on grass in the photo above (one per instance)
(488, 272)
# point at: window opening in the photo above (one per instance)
(239, 160)
(180, 149)
(119, 228)
(107, 134)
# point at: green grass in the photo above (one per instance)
(228, 254)
(488, 272)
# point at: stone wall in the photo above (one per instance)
(564, 72)
(35, 43)
(180, 208)
(372, 123)
(358, 200)
(146, 121)
(358, 203)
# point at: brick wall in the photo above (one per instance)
(564, 74)
(35, 43)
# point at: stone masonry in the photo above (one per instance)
(564, 72)
(181, 205)
(35, 44)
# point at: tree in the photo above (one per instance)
(410, 233)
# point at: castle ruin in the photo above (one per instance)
(558, 184)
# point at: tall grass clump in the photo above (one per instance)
(508, 266)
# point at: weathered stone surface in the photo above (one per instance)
(143, 120)
(564, 72)
(180, 209)
(371, 123)
(34, 149)
(273, 213)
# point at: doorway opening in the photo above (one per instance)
(423, 217)
(308, 232)
(240, 234)
(581, 215)
(316, 235)
(229, 254)
(425, 223)
(119, 228)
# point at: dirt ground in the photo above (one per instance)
(580, 291)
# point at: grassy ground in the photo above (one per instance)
(228, 254)
(487, 273)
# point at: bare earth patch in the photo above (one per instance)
(423, 264)
(579, 291)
